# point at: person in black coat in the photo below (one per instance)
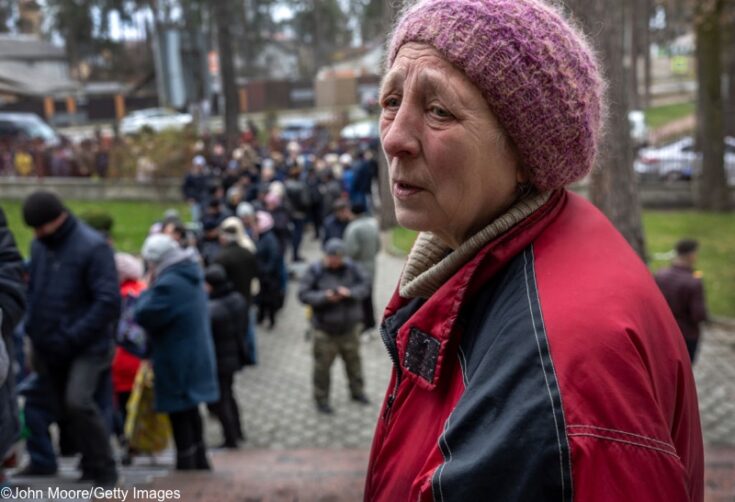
(270, 264)
(12, 308)
(238, 260)
(73, 305)
(229, 320)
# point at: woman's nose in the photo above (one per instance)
(400, 135)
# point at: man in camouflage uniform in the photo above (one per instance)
(335, 287)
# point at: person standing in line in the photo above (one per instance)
(336, 222)
(12, 308)
(238, 258)
(173, 311)
(194, 187)
(228, 315)
(269, 257)
(682, 287)
(362, 244)
(334, 288)
(74, 302)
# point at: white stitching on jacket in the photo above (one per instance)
(617, 440)
(446, 444)
(546, 378)
(647, 438)
(463, 366)
(553, 368)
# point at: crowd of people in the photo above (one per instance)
(186, 308)
(25, 157)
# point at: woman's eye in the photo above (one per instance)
(391, 102)
(440, 112)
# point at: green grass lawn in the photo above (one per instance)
(715, 232)
(131, 220)
(660, 115)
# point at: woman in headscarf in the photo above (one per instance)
(534, 357)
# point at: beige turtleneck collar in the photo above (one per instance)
(431, 262)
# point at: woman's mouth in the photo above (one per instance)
(402, 190)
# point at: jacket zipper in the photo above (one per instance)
(392, 349)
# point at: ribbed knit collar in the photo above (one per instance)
(431, 262)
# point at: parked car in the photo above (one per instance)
(14, 126)
(679, 161)
(364, 132)
(156, 119)
(298, 130)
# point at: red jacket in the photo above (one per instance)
(125, 365)
(549, 367)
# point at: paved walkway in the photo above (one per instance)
(295, 454)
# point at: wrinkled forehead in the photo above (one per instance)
(423, 67)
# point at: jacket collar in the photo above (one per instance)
(431, 262)
(435, 321)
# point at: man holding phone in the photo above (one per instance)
(334, 287)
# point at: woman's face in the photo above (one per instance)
(451, 170)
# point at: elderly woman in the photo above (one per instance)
(534, 357)
(174, 313)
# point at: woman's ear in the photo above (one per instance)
(522, 174)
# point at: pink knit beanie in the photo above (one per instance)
(537, 73)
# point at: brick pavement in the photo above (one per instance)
(294, 454)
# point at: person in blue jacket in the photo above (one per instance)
(173, 311)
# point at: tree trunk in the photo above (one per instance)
(713, 191)
(387, 212)
(729, 53)
(613, 187)
(222, 15)
(647, 54)
(635, 10)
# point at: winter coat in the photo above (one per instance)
(228, 314)
(333, 228)
(12, 286)
(12, 308)
(685, 295)
(173, 310)
(340, 317)
(297, 198)
(125, 365)
(547, 367)
(362, 242)
(241, 267)
(195, 187)
(270, 262)
(73, 295)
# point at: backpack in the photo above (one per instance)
(130, 335)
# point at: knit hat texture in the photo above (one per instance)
(156, 247)
(334, 247)
(42, 207)
(129, 268)
(536, 71)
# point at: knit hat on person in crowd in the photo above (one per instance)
(245, 209)
(42, 207)
(334, 247)
(215, 275)
(535, 70)
(265, 221)
(157, 246)
(129, 268)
